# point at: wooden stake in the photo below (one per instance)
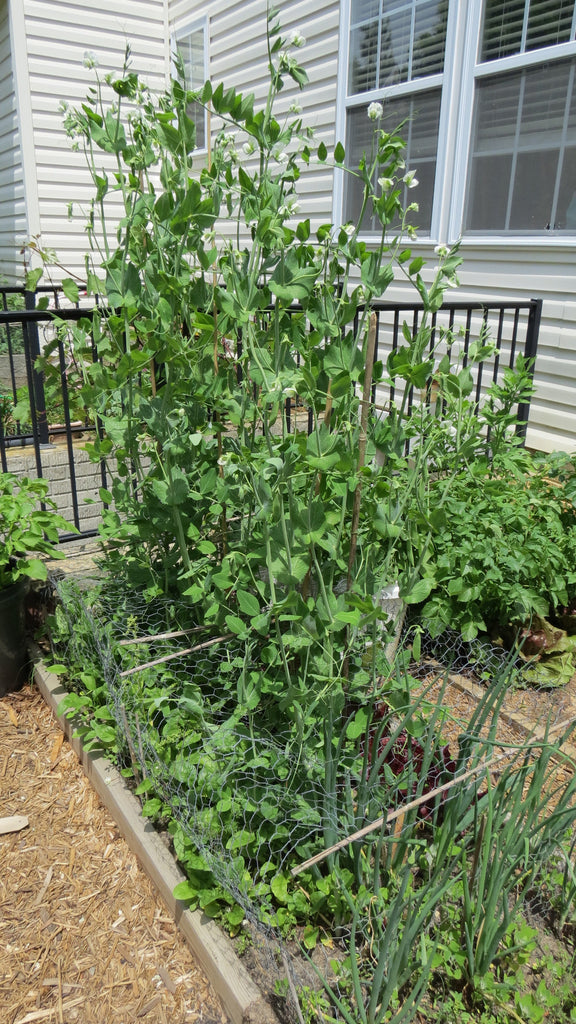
(175, 654)
(392, 815)
(365, 407)
(161, 636)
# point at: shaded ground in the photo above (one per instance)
(84, 938)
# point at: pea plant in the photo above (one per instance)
(216, 348)
(256, 492)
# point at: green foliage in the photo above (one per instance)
(502, 554)
(29, 526)
(252, 493)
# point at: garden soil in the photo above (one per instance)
(84, 938)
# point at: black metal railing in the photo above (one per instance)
(31, 446)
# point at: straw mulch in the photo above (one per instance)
(84, 938)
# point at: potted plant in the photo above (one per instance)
(29, 527)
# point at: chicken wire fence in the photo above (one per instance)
(245, 802)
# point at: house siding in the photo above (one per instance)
(58, 34)
(13, 225)
(237, 56)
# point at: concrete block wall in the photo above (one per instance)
(55, 467)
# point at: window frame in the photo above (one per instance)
(458, 84)
(180, 32)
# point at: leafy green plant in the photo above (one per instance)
(504, 544)
(278, 538)
(29, 527)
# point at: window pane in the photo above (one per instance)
(549, 23)
(363, 60)
(515, 26)
(523, 137)
(191, 49)
(421, 114)
(488, 193)
(429, 39)
(402, 42)
(364, 10)
(533, 191)
(503, 23)
(395, 47)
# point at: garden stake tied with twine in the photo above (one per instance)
(390, 816)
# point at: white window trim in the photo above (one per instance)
(179, 31)
(463, 36)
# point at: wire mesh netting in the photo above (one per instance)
(244, 805)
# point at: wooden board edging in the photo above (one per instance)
(241, 999)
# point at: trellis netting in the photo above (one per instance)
(246, 808)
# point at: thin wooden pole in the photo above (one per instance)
(392, 815)
(176, 654)
(365, 409)
(161, 636)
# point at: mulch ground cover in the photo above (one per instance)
(84, 938)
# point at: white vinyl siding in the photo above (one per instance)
(13, 228)
(236, 46)
(59, 33)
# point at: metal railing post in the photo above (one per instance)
(35, 379)
(530, 350)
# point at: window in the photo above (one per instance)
(191, 45)
(487, 88)
(522, 170)
(397, 53)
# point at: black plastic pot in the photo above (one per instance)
(14, 661)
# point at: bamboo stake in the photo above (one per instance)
(161, 636)
(392, 815)
(370, 349)
(175, 654)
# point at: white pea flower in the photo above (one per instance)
(207, 237)
(386, 184)
(349, 229)
(297, 39)
(248, 148)
(442, 251)
(289, 392)
(295, 108)
(375, 111)
(281, 157)
(411, 232)
(90, 61)
(410, 179)
(413, 208)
